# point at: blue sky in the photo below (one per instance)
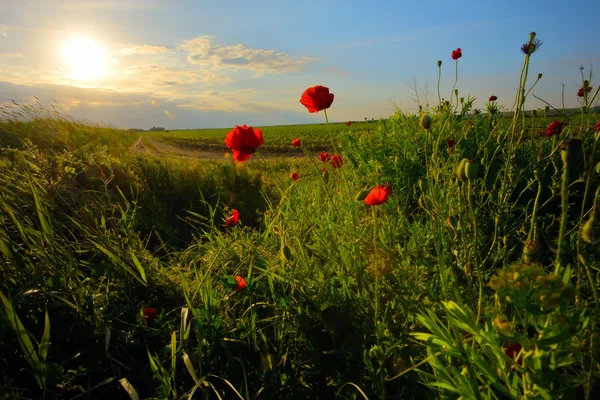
(195, 64)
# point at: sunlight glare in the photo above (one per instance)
(85, 59)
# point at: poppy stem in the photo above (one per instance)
(455, 82)
(326, 118)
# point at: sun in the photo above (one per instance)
(85, 58)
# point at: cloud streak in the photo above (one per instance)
(201, 51)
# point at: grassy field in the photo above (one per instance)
(127, 275)
(277, 138)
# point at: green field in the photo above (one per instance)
(317, 137)
(125, 273)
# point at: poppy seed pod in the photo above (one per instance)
(425, 202)
(425, 121)
(460, 170)
(423, 185)
(471, 169)
(532, 251)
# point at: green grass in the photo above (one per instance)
(419, 297)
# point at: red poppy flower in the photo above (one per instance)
(580, 92)
(554, 128)
(378, 195)
(150, 314)
(234, 219)
(598, 126)
(450, 143)
(241, 283)
(324, 157)
(316, 98)
(512, 350)
(456, 54)
(243, 141)
(295, 176)
(296, 142)
(336, 161)
(348, 123)
(493, 98)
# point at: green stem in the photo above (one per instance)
(438, 84)
(455, 82)
(561, 255)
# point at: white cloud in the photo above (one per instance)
(11, 56)
(144, 49)
(239, 57)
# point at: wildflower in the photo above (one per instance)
(241, 283)
(512, 350)
(492, 98)
(336, 161)
(378, 195)
(581, 91)
(243, 141)
(425, 121)
(234, 219)
(554, 128)
(531, 46)
(150, 314)
(324, 156)
(456, 54)
(450, 144)
(296, 142)
(316, 98)
(295, 176)
(598, 126)
(348, 123)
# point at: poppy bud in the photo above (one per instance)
(456, 92)
(425, 202)
(590, 232)
(539, 76)
(425, 121)
(439, 63)
(423, 185)
(539, 174)
(598, 168)
(571, 150)
(325, 175)
(471, 169)
(547, 108)
(532, 36)
(460, 170)
(586, 84)
(508, 241)
(532, 251)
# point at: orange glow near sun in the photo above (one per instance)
(84, 58)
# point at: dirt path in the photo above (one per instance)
(147, 146)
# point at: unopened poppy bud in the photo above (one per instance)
(539, 76)
(508, 241)
(460, 170)
(325, 175)
(532, 251)
(547, 108)
(425, 202)
(462, 100)
(571, 150)
(456, 92)
(532, 36)
(471, 169)
(586, 84)
(423, 185)
(590, 232)
(425, 121)
(539, 174)
(439, 63)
